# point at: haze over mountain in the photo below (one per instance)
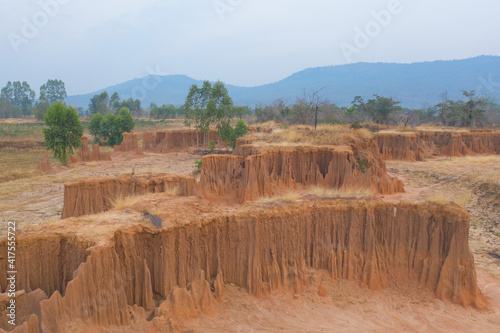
(413, 84)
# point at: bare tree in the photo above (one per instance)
(308, 105)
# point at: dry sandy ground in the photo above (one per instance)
(345, 307)
(348, 308)
(34, 200)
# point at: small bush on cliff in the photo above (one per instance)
(111, 128)
(211, 146)
(64, 131)
(229, 134)
(198, 164)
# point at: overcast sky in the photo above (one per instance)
(91, 44)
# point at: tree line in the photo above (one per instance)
(310, 108)
(17, 99)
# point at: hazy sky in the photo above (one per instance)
(91, 44)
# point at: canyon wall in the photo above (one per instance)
(130, 143)
(418, 146)
(95, 195)
(174, 140)
(372, 243)
(84, 154)
(260, 172)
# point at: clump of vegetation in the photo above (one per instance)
(198, 164)
(121, 201)
(306, 135)
(229, 134)
(211, 146)
(110, 128)
(173, 191)
(357, 193)
(462, 198)
(64, 131)
(288, 197)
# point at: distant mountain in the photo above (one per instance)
(413, 84)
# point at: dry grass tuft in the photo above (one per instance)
(285, 197)
(173, 191)
(462, 198)
(323, 192)
(482, 159)
(301, 135)
(121, 201)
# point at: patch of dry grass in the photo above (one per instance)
(301, 135)
(20, 163)
(283, 198)
(121, 201)
(173, 191)
(460, 198)
(483, 159)
(323, 192)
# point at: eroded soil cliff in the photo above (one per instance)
(259, 172)
(417, 146)
(136, 275)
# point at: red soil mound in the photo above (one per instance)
(84, 154)
(130, 143)
(373, 243)
(171, 141)
(260, 172)
(421, 145)
(44, 166)
(93, 196)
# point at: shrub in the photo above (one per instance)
(356, 125)
(64, 131)
(198, 164)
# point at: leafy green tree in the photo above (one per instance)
(95, 127)
(64, 131)
(219, 107)
(40, 109)
(110, 128)
(8, 110)
(195, 110)
(379, 109)
(54, 90)
(473, 108)
(241, 111)
(100, 104)
(20, 95)
(127, 122)
(240, 130)
(115, 102)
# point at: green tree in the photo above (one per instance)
(127, 122)
(20, 95)
(95, 127)
(115, 102)
(219, 107)
(100, 104)
(195, 110)
(40, 109)
(240, 130)
(54, 91)
(64, 131)
(110, 128)
(473, 108)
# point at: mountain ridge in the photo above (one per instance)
(414, 84)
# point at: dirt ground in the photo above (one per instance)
(39, 198)
(473, 182)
